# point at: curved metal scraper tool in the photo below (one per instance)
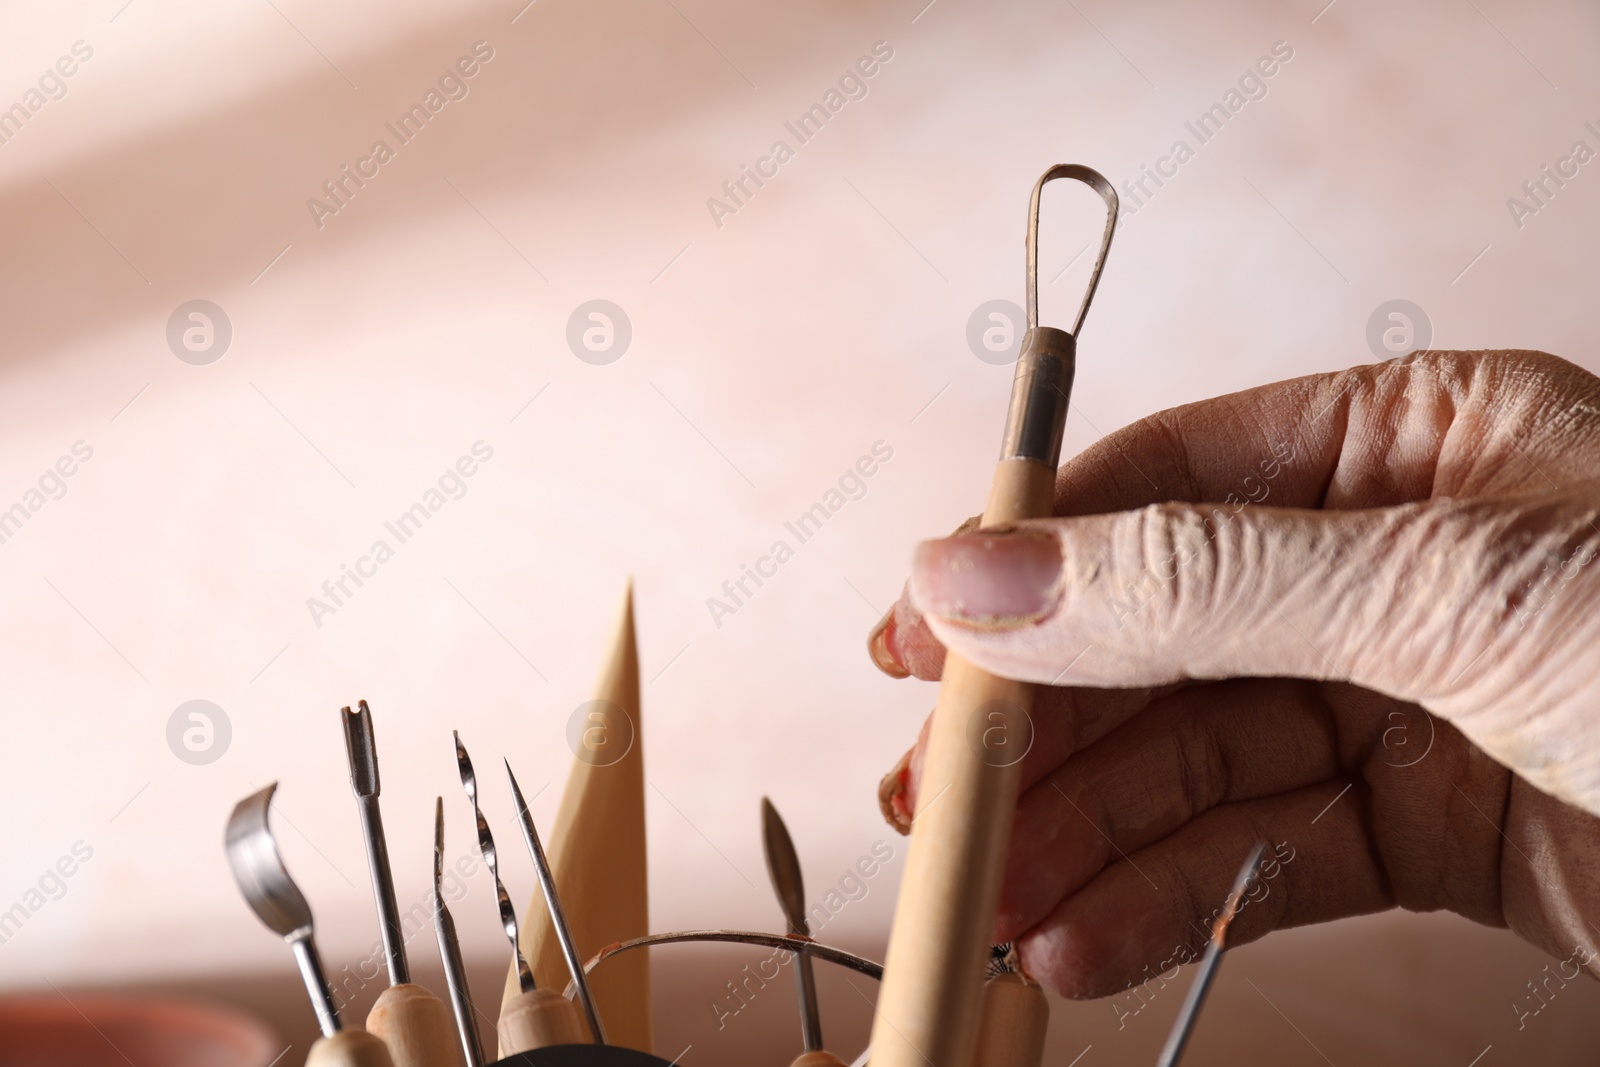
(277, 901)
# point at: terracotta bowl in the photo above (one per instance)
(99, 1030)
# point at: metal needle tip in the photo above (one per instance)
(558, 918)
(1212, 960)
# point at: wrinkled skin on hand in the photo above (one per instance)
(1355, 615)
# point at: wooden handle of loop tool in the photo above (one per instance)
(928, 1006)
(950, 891)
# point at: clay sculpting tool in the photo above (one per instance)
(1211, 961)
(929, 1006)
(266, 886)
(362, 750)
(1015, 1017)
(558, 918)
(413, 1022)
(455, 972)
(534, 1018)
(597, 847)
(783, 867)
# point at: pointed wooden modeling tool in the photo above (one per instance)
(929, 1006)
(596, 849)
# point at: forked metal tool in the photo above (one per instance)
(277, 901)
(363, 753)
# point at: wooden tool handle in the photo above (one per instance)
(349, 1048)
(1015, 1018)
(928, 1005)
(539, 1018)
(417, 1027)
(818, 1059)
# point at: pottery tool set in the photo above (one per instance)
(948, 997)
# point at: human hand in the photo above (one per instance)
(1351, 614)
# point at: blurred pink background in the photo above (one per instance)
(770, 348)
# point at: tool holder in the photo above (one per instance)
(614, 1056)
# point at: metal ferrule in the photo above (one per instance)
(1040, 395)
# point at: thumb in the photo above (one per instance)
(1483, 611)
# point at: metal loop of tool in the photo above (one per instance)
(814, 949)
(1096, 181)
(1042, 388)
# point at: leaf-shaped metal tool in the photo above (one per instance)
(783, 865)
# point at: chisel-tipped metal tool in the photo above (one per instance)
(455, 972)
(363, 753)
(558, 918)
(412, 1021)
(783, 866)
